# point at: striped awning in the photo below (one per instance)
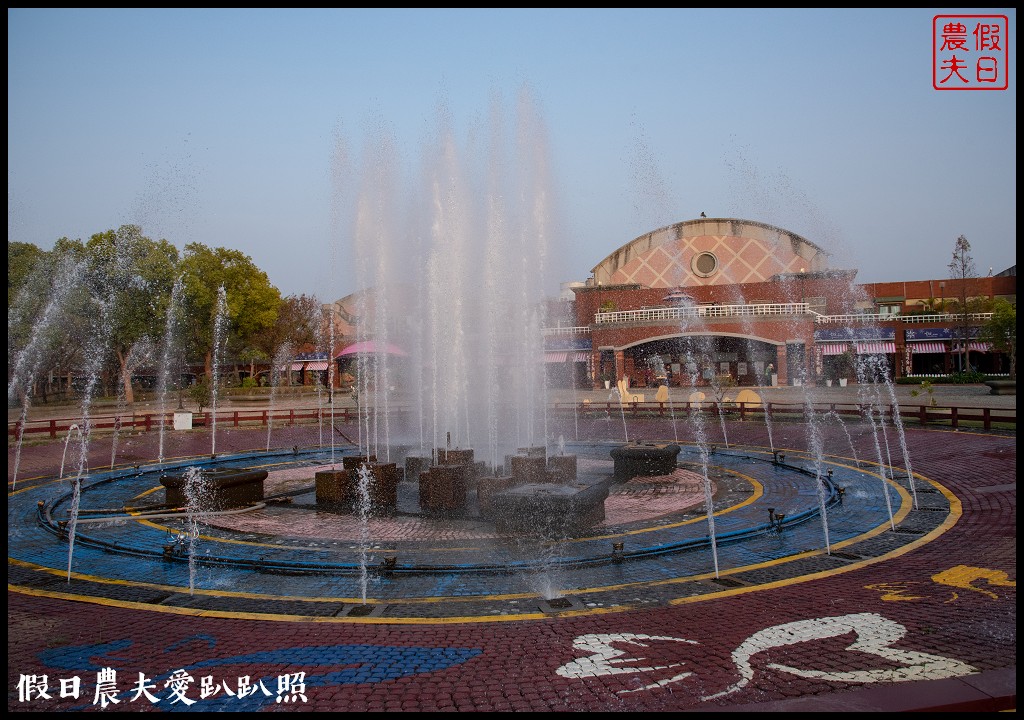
(876, 348)
(559, 356)
(834, 348)
(317, 365)
(926, 347)
(975, 347)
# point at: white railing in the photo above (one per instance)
(700, 311)
(657, 314)
(876, 318)
(570, 330)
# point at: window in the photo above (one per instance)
(704, 264)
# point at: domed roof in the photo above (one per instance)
(710, 251)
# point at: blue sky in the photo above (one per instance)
(219, 126)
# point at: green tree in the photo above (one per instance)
(1001, 331)
(28, 282)
(133, 275)
(252, 301)
(299, 325)
(23, 262)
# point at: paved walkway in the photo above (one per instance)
(927, 592)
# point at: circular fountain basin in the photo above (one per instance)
(285, 550)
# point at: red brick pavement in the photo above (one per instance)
(947, 608)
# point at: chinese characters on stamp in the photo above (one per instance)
(970, 52)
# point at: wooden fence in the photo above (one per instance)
(922, 415)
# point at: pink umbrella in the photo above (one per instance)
(369, 347)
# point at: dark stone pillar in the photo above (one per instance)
(443, 489)
(529, 469)
(332, 489)
(562, 469)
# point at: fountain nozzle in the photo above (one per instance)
(617, 552)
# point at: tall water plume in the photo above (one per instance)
(167, 357)
(282, 365)
(219, 340)
(96, 347)
(451, 271)
(39, 326)
(139, 354)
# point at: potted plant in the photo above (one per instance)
(844, 367)
(830, 375)
(607, 378)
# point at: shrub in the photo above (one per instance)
(967, 377)
(200, 394)
(926, 387)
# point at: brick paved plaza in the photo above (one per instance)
(912, 607)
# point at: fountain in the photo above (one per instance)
(282, 364)
(29, 358)
(219, 341)
(452, 315)
(467, 275)
(167, 357)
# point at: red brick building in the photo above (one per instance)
(720, 297)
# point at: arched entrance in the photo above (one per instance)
(700, 359)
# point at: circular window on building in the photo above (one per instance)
(704, 264)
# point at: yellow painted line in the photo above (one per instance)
(758, 492)
(271, 617)
(265, 596)
(954, 515)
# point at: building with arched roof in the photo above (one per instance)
(710, 251)
(726, 298)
